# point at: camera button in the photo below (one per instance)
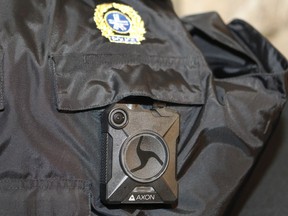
(145, 157)
(144, 189)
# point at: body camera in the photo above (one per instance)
(139, 155)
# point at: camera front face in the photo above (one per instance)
(139, 155)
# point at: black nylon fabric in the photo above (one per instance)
(58, 74)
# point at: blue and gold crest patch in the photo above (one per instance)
(119, 23)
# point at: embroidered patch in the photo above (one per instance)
(119, 23)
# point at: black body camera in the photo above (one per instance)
(139, 155)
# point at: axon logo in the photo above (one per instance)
(142, 197)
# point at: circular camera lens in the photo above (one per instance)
(118, 118)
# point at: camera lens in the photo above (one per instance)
(118, 118)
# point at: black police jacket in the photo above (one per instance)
(64, 62)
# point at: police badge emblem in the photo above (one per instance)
(119, 23)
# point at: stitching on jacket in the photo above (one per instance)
(1, 80)
(149, 60)
(44, 184)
